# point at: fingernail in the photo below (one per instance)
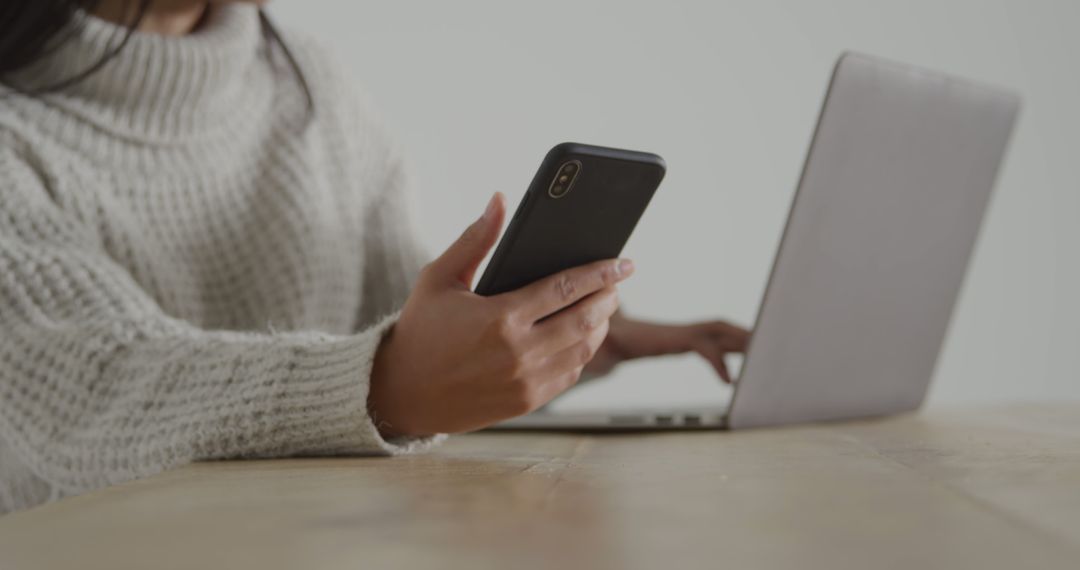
(624, 268)
(489, 212)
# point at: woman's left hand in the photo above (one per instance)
(628, 339)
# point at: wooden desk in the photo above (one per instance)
(993, 488)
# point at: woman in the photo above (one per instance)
(204, 246)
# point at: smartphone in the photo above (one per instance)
(581, 207)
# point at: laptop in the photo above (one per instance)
(877, 242)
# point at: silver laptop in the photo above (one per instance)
(876, 245)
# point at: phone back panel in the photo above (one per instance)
(591, 222)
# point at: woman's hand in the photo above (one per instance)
(628, 339)
(456, 361)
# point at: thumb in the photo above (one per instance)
(460, 261)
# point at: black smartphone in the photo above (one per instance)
(581, 207)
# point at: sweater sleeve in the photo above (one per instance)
(392, 254)
(98, 385)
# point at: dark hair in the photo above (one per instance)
(31, 29)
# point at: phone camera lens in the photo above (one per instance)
(564, 179)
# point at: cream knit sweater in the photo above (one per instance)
(190, 268)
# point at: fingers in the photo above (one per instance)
(563, 348)
(564, 367)
(731, 337)
(459, 262)
(715, 356)
(577, 355)
(572, 325)
(551, 390)
(716, 340)
(551, 294)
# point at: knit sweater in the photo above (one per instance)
(191, 266)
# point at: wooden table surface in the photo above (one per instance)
(988, 488)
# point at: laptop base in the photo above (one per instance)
(651, 420)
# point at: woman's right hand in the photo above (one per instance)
(456, 361)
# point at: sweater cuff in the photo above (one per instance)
(341, 423)
(395, 445)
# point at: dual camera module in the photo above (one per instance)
(564, 179)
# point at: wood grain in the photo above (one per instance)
(990, 488)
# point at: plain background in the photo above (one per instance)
(728, 92)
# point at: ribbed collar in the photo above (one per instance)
(157, 88)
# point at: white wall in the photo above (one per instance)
(728, 93)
